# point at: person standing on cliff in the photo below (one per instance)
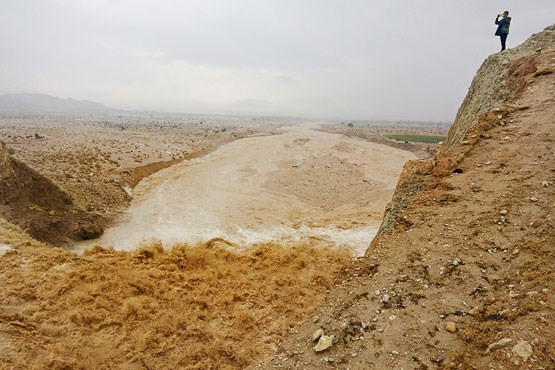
(503, 21)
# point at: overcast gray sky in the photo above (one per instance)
(355, 59)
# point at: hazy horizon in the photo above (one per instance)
(357, 60)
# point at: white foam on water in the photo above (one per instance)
(4, 248)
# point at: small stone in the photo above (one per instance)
(545, 184)
(327, 360)
(377, 292)
(457, 262)
(474, 311)
(503, 212)
(451, 327)
(522, 349)
(317, 334)
(533, 199)
(52, 212)
(499, 344)
(324, 343)
(385, 298)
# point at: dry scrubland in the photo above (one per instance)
(96, 161)
(459, 277)
(94, 157)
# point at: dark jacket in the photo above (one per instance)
(503, 28)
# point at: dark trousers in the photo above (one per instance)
(503, 37)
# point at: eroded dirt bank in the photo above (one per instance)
(300, 185)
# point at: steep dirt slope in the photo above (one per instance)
(38, 205)
(461, 275)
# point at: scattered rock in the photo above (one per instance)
(545, 184)
(499, 344)
(522, 349)
(533, 199)
(474, 311)
(324, 343)
(317, 334)
(543, 70)
(451, 327)
(89, 231)
(503, 212)
(385, 298)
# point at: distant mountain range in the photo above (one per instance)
(43, 103)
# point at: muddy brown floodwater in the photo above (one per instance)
(300, 185)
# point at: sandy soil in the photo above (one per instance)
(301, 185)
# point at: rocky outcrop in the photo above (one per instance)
(498, 81)
(501, 79)
(36, 204)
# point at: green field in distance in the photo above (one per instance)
(416, 138)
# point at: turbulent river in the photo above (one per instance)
(301, 185)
